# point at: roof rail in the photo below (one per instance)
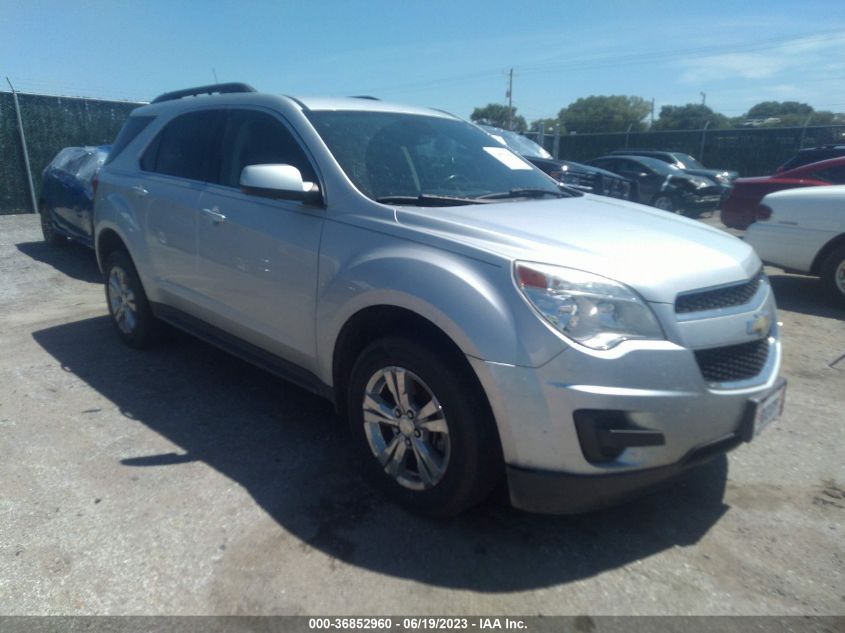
(365, 97)
(204, 90)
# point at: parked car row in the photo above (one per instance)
(664, 185)
(576, 175)
(742, 206)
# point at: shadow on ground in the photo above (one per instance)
(72, 259)
(804, 294)
(288, 450)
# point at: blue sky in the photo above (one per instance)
(449, 55)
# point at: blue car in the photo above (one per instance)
(66, 203)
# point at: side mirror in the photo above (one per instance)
(281, 182)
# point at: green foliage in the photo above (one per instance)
(691, 116)
(548, 125)
(496, 114)
(770, 109)
(605, 114)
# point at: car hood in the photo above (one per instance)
(656, 253)
(712, 173)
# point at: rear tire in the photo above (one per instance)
(833, 275)
(423, 430)
(131, 316)
(48, 229)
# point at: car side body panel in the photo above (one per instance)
(803, 221)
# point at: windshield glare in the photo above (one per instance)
(389, 154)
(517, 142)
(688, 162)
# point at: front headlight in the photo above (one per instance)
(700, 183)
(594, 311)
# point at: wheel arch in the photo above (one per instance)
(826, 250)
(108, 241)
(378, 321)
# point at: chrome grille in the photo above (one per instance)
(725, 297)
(734, 362)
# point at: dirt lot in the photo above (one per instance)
(183, 481)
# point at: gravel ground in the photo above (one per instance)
(183, 481)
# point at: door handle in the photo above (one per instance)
(140, 190)
(215, 215)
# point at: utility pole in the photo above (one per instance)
(703, 97)
(510, 99)
(25, 150)
(651, 122)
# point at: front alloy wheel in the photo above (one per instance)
(128, 306)
(664, 203)
(422, 426)
(406, 428)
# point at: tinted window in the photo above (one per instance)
(256, 138)
(132, 128)
(395, 154)
(185, 147)
(833, 175)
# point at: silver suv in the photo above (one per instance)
(475, 322)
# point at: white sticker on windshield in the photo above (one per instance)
(507, 157)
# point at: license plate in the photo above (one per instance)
(769, 409)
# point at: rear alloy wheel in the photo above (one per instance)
(48, 230)
(664, 203)
(833, 274)
(423, 429)
(128, 306)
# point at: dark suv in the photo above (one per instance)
(812, 155)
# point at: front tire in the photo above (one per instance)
(665, 203)
(833, 275)
(131, 316)
(51, 236)
(424, 431)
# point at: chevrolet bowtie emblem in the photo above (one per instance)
(760, 325)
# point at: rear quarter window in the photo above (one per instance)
(131, 129)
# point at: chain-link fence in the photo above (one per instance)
(49, 123)
(751, 152)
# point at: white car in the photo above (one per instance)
(803, 230)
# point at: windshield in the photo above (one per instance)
(688, 162)
(396, 155)
(517, 142)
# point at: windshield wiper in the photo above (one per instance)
(429, 200)
(524, 192)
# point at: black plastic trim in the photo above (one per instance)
(553, 492)
(246, 351)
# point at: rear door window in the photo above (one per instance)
(186, 147)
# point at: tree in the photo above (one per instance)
(496, 114)
(605, 114)
(548, 125)
(786, 114)
(692, 116)
(772, 109)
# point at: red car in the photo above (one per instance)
(741, 207)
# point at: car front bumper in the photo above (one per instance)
(656, 385)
